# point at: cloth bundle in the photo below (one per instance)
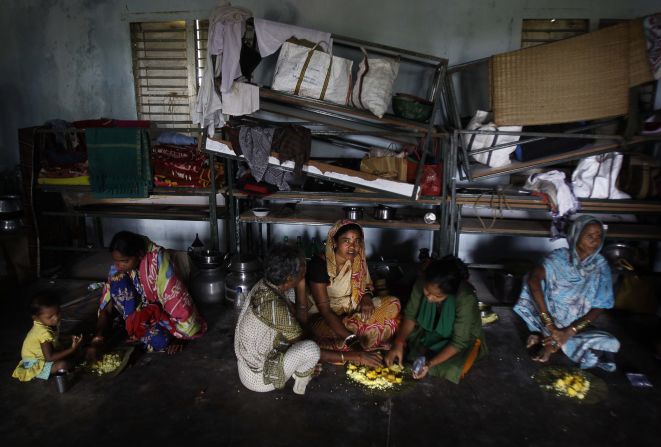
(181, 166)
(119, 162)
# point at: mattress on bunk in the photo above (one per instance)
(582, 78)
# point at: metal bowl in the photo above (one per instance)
(260, 212)
(383, 212)
(353, 212)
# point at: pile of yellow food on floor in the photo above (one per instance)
(381, 378)
(574, 385)
(107, 364)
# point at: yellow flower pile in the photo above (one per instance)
(381, 378)
(107, 364)
(574, 385)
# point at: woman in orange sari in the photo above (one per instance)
(344, 314)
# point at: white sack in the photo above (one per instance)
(596, 176)
(499, 157)
(374, 81)
(321, 69)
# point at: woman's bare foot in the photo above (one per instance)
(544, 354)
(533, 339)
(175, 346)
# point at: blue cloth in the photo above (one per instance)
(571, 288)
(127, 295)
(45, 371)
(175, 138)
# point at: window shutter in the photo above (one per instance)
(165, 71)
(541, 31)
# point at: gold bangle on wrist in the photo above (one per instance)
(546, 319)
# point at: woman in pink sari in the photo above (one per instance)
(144, 289)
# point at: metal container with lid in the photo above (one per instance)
(244, 272)
(207, 284)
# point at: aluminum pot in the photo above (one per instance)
(353, 212)
(383, 212)
(244, 272)
(208, 285)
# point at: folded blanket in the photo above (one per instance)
(119, 162)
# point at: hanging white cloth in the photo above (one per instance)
(226, 27)
(271, 36)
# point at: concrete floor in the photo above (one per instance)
(196, 397)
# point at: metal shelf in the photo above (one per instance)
(334, 197)
(164, 191)
(157, 212)
(530, 202)
(540, 228)
(329, 215)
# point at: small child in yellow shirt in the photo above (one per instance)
(39, 355)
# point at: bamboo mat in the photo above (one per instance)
(581, 78)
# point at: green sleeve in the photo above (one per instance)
(466, 315)
(413, 306)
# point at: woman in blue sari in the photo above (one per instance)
(565, 294)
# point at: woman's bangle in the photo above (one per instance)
(96, 338)
(582, 324)
(342, 355)
(546, 319)
(350, 338)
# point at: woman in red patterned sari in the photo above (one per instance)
(344, 314)
(145, 290)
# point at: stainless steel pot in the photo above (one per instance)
(244, 272)
(383, 212)
(353, 212)
(208, 285)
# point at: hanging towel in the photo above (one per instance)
(119, 162)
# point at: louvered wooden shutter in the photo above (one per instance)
(540, 31)
(165, 69)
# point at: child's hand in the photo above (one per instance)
(76, 340)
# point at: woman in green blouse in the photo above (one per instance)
(441, 322)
